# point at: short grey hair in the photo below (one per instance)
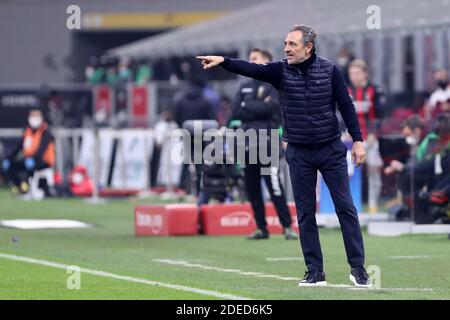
(309, 34)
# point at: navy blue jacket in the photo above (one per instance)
(309, 92)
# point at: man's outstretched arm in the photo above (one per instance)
(270, 72)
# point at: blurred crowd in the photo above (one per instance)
(114, 70)
(407, 148)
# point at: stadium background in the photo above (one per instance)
(44, 64)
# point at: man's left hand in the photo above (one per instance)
(358, 153)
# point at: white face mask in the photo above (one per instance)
(342, 61)
(89, 72)
(411, 140)
(35, 122)
(77, 178)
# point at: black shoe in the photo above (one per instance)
(360, 278)
(258, 235)
(313, 278)
(290, 234)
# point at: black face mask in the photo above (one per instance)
(442, 84)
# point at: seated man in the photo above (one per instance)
(426, 168)
(35, 152)
(431, 182)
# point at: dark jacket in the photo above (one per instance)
(309, 112)
(308, 98)
(257, 106)
(193, 106)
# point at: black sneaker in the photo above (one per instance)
(290, 234)
(313, 278)
(258, 235)
(360, 278)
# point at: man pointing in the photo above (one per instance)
(310, 87)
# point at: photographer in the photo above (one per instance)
(257, 108)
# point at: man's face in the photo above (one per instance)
(440, 75)
(295, 50)
(257, 57)
(358, 76)
(407, 132)
(35, 113)
(35, 119)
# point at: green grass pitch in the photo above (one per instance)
(412, 267)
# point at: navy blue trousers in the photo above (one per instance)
(330, 160)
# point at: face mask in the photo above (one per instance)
(442, 84)
(35, 122)
(89, 72)
(411, 140)
(123, 71)
(342, 61)
(77, 178)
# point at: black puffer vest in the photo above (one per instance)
(309, 112)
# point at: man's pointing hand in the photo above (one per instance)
(210, 61)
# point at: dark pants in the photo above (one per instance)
(186, 181)
(154, 165)
(330, 160)
(253, 182)
(17, 172)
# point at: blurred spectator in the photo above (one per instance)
(216, 178)
(413, 129)
(35, 152)
(440, 98)
(124, 72)
(184, 71)
(428, 166)
(431, 186)
(343, 60)
(162, 131)
(80, 184)
(212, 96)
(192, 105)
(370, 101)
(93, 72)
(111, 77)
(224, 112)
(436, 140)
(144, 72)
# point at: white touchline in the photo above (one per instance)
(284, 259)
(393, 289)
(124, 278)
(411, 257)
(184, 263)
